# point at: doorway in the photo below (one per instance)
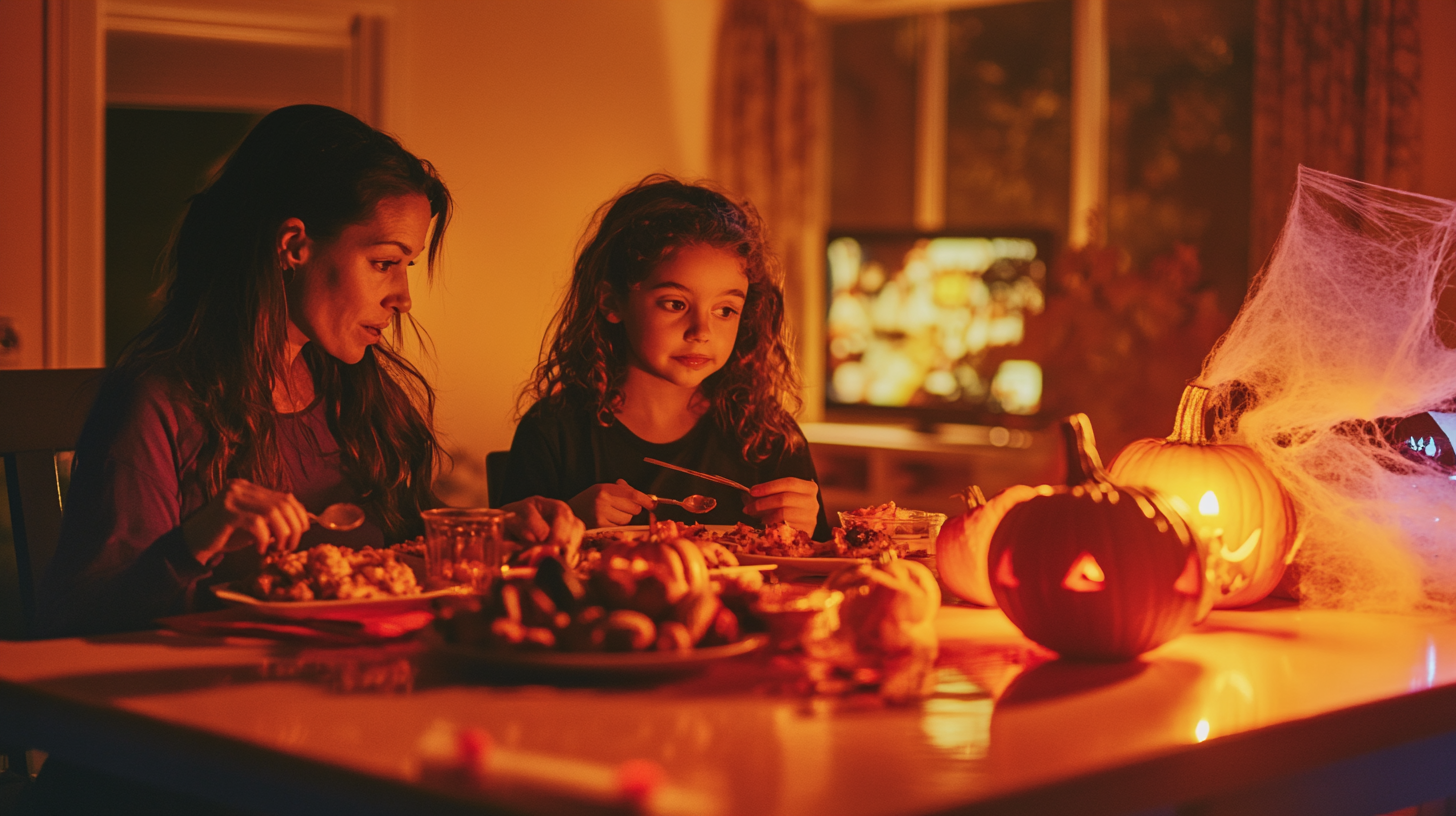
(183, 87)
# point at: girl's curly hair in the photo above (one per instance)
(751, 397)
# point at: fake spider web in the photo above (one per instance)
(1340, 329)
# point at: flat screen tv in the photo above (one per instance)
(932, 328)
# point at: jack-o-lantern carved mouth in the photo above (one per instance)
(1086, 575)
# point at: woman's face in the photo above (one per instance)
(682, 320)
(346, 290)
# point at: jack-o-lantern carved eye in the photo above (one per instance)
(1188, 582)
(1086, 575)
(1004, 576)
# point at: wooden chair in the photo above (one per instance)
(41, 413)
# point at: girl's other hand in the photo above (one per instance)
(539, 520)
(788, 499)
(245, 515)
(610, 505)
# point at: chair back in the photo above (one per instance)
(41, 414)
(496, 464)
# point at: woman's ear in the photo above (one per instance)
(293, 244)
(607, 303)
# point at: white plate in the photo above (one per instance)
(604, 663)
(352, 609)
(822, 565)
(642, 528)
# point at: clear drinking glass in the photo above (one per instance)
(465, 545)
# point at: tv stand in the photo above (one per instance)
(862, 464)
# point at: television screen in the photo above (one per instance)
(935, 324)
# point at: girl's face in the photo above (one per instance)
(682, 321)
(347, 290)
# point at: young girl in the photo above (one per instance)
(269, 385)
(669, 345)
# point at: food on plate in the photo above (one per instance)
(888, 510)
(864, 542)
(783, 541)
(631, 592)
(327, 572)
(414, 546)
(780, 540)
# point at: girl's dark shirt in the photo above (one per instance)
(122, 561)
(559, 451)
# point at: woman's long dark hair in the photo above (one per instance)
(221, 336)
(750, 397)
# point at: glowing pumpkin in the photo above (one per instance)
(1231, 500)
(1094, 570)
(960, 549)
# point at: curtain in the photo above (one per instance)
(768, 145)
(1336, 87)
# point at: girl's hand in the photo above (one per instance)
(539, 520)
(609, 505)
(245, 515)
(788, 499)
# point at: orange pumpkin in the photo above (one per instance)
(960, 549)
(1096, 570)
(1231, 500)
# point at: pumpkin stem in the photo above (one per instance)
(1083, 462)
(972, 496)
(1188, 425)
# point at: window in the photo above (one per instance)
(1126, 122)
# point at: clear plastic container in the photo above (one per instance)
(915, 529)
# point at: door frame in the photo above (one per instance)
(74, 147)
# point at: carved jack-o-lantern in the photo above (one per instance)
(1095, 570)
(1231, 500)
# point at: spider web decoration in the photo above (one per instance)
(1340, 329)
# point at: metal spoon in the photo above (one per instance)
(342, 517)
(692, 504)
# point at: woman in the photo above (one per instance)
(269, 385)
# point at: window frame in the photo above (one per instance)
(1090, 103)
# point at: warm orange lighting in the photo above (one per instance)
(1236, 507)
(1085, 575)
(1208, 505)
(1190, 582)
(1244, 550)
(1004, 575)
(1201, 730)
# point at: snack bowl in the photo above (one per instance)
(916, 529)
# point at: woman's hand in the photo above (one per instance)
(539, 520)
(788, 499)
(610, 505)
(245, 515)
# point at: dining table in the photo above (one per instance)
(1276, 709)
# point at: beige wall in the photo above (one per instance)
(535, 112)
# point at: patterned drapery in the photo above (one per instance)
(768, 144)
(1336, 87)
